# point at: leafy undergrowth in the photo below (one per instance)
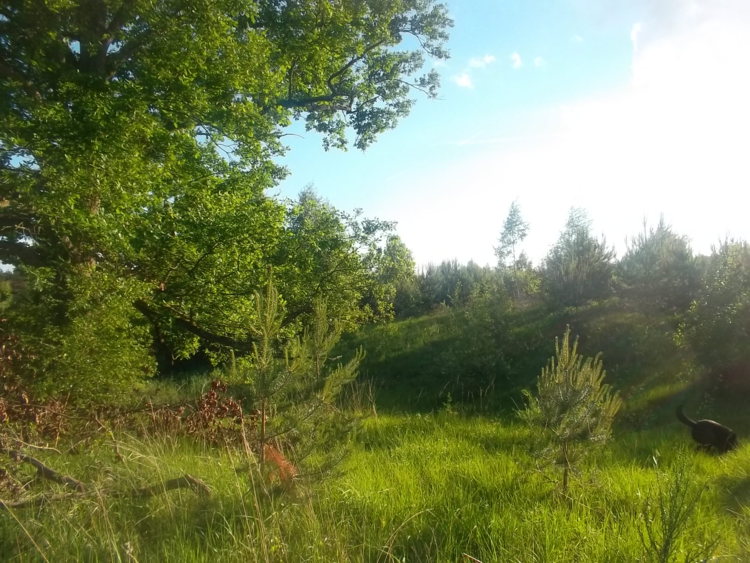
(417, 488)
(483, 355)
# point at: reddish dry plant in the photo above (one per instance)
(10, 355)
(9, 486)
(215, 416)
(165, 419)
(283, 468)
(213, 407)
(46, 420)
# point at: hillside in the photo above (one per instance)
(480, 357)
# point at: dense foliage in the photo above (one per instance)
(137, 141)
(717, 324)
(579, 266)
(659, 269)
(657, 308)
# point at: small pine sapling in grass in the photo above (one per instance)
(267, 376)
(670, 523)
(573, 406)
(295, 388)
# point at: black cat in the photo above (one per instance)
(710, 435)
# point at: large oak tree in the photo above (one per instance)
(138, 139)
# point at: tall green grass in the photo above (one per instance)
(417, 488)
(441, 471)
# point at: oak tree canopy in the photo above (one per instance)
(138, 139)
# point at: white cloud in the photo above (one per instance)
(672, 141)
(463, 80)
(634, 33)
(515, 60)
(675, 139)
(539, 62)
(577, 38)
(481, 62)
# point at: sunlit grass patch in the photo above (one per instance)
(420, 487)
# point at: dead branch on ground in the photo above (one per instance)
(83, 491)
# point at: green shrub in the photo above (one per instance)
(659, 270)
(579, 267)
(295, 388)
(91, 348)
(717, 326)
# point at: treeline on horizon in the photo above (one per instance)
(658, 266)
(367, 275)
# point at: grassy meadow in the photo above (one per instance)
(436, 487)
(197, 365)
(439, 469)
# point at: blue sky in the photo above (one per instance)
(630, 110)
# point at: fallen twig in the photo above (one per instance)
(38, 500)
(184, 482)
(82, 491)
(36, 447)
(45, 471)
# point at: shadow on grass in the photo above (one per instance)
(736, 497)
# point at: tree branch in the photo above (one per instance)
(19, 253)
(116, 24)
(190, 326)
(46, 472)
(352, 62)
(334, 95)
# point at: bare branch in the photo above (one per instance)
(184, 482)
(46, 472)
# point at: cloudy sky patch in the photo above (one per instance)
(481, 62)
(463, 80)
(647, 116)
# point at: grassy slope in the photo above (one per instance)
(482, 358)
(427, 483)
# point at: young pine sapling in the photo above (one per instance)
(573, 407)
